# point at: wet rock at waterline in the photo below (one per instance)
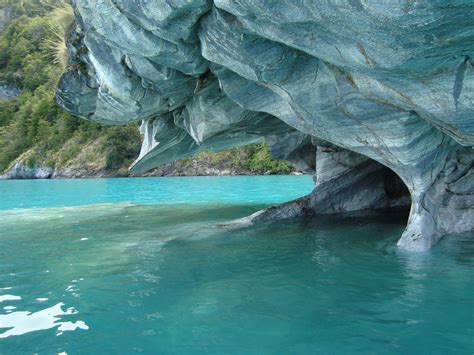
(361, 94)
(21, 171)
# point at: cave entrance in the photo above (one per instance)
(394, 186)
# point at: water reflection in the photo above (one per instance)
(164, 279)
(4, 298)
(22, 322)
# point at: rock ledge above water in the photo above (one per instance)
(360, 94)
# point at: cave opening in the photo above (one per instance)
(393, 185)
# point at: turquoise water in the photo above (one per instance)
(169, 190)
(124, 266)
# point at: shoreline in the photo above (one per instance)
(21, 172)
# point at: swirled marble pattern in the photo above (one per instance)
(352, 91)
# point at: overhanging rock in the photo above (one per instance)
(352, 91)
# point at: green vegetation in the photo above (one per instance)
(32, 57)
(34, 130)
(259, 160)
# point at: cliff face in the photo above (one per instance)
(352, 91)
(5, 16)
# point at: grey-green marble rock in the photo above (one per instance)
(21, 171)
(359, 93)
(5, 15)
(8, 92)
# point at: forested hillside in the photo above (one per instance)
(35, 132)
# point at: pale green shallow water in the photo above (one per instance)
(121, 275)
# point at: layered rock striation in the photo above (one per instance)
(362, 94)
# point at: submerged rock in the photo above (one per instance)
(359, 93)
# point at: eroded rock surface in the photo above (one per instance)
(21, 171)
(8, 92)
(356, 92)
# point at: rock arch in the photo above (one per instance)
(356, 87)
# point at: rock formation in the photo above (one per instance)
(20, 171)
(361, 93)
(5, 15)
(8, 92)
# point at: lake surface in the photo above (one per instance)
(141, 265)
